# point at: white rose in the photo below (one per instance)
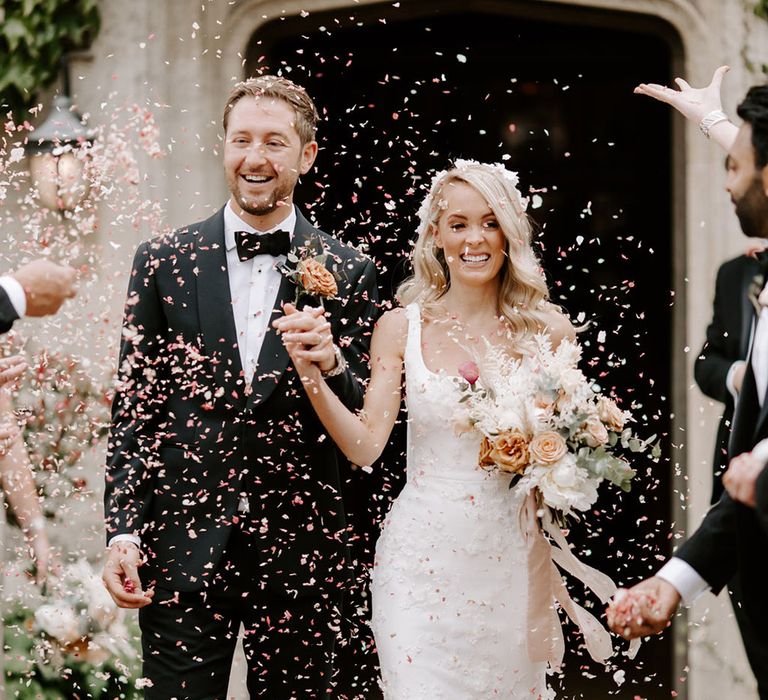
(511, 419)
(565, 486)
(571, 380)
(60, 621)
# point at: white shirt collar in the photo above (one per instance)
(232, 223)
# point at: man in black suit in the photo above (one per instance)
(38, 288)
(720, 366)
(731, 545)
(219, 477)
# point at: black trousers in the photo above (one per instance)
(189, 639)
(754, 636)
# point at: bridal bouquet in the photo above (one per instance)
(543, 421)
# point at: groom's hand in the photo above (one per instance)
(121, 576)
(741, 478)
(307, 335)
(647, 608)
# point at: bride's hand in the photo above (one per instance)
(692, 103)
(307, 338)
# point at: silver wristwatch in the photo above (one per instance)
(341, 364)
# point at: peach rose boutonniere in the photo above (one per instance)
(310, 275)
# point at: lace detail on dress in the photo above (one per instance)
(449, 585)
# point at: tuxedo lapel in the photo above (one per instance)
(747, 307)
(274, 358)
(745, 416)
(214, 302)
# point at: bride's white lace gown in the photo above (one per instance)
(450, 584)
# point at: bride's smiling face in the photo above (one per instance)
(470, 236)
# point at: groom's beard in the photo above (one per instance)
(278, 197)
(752, 210)
(260, 207)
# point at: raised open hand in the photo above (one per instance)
(692, 103)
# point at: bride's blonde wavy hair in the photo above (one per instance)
(523, 295)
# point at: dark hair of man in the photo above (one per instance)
(754, 111)
(278, 88)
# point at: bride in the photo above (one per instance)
(450, 582)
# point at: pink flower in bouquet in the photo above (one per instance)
(470, 371)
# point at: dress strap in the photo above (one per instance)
(413, 340)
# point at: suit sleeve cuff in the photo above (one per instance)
(125, 538)
(729, 379)
(760, 451)
(684, 578)
(15, 293)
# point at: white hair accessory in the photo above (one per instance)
(462, 164)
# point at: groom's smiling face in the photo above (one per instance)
(263, 158)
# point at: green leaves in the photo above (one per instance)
(602, 464)
(35, 35)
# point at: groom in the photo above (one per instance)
(222, 492)
(731, 545)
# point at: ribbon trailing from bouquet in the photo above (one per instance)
(546, 585)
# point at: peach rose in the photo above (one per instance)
(594, 432)
(316, 279)
(508, 451)
(485, 450)
(610, 414)
(547, 447)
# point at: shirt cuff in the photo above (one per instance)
(729, 379)
(15, 293)
(684, 578)
(125, 538)
(760, 451)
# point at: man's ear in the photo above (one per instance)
(308, 155)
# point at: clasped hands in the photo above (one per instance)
(306, 335)
(648, 607)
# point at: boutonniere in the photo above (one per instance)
(755, 291)
(308, 272)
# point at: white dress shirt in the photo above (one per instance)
(676, 571)
(15, 293)
(253, 286)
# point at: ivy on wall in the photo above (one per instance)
(35, 35)
(761, 8)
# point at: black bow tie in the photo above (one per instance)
(272, 243)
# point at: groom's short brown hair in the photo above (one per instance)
(278, 88)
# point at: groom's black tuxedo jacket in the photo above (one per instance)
(7, 313)
(727, 341)
(188, 438)
(731, 545)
